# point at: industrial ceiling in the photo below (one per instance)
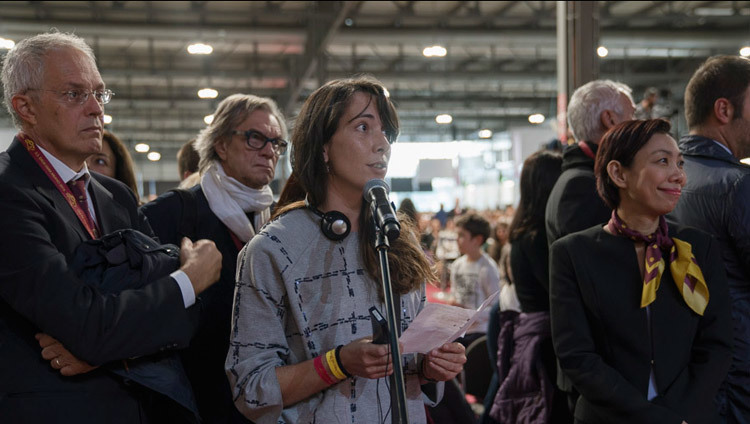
(500, 65)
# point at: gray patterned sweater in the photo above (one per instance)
(297, 296)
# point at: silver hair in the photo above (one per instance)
(230, 113)
(23, 67)
(587, 104)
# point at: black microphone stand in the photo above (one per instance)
(400, 415)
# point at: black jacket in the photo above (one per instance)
(40, 293)
(574, 204)
(204, 358)
(606, 346)
(716, 199)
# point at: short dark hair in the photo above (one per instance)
(475, 224)
(187, 159)
(621, 143)
(718, 77)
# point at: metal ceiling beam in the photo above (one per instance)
(320, 32)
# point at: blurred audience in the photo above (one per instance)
(187, 165)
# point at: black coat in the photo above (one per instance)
(716, 199)
(204, 359)
(606, 347)
(40, 293)
(574, 204)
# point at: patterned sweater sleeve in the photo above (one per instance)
(257, 340)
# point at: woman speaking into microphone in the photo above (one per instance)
(301, 349)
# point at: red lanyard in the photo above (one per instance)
(586, 149)
(63, 188)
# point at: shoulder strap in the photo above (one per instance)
(189, 212)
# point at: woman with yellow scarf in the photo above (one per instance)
(639, 307)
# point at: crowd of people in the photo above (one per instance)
(623, 272)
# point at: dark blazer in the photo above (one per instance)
(573, 203)
(603, 340)
(39, 293)
(204, 359)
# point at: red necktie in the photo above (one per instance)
(78, 187)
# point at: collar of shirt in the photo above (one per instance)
(66, 174)
(723, 147)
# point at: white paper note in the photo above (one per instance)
(438, 324)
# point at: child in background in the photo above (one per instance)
(474, 276)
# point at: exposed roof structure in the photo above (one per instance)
(500, 65)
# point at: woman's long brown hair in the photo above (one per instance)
(315, 125)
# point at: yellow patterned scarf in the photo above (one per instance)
(686, 273)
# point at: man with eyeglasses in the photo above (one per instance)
(50, 205)
(238, 155)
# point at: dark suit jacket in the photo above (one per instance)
(603, 340)
(204, 359)
(39, 293)
(573, 203)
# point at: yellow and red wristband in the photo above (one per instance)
(321, 370)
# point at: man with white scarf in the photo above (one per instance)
(238, 155)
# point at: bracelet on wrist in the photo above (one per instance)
(321, 370)
(341, 364)
(333, 365)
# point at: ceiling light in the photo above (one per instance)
(208, 119)
(745, 51)
(107, 119)
(602, 51)
(200, 48)
(746, 161)
(142, 147)
(434, 51)
(536, 118)
(207, 93)
(153, 156)
(6, 43)
(485, 133)
(444, 119)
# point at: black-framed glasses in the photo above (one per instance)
(257, 141)
(79, 97)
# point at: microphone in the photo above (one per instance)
(376, 194)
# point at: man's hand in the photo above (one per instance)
(59, 357)
(201, 261)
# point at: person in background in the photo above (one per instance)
(716, 198)
(474, 276)
(573, 204)
(525, 342)
(56, 96)
(639, 308)
(645, 108)
(407, 208)
(238, 155)
(499, 239)
(301, 343)
(114, 161)
(187, 165)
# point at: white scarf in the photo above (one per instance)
(229, 200)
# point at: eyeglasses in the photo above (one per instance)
(79, 97)
(257, 141)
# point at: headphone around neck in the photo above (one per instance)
(334, 224)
